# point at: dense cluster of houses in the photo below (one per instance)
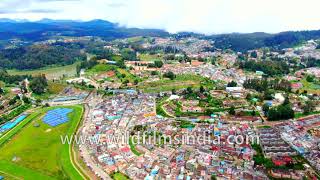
(207, 70)
(185, 159)
(295, 133)
(273, 145)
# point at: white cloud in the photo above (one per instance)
(205, 16)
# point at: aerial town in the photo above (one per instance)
(174, 107)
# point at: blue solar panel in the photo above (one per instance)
(57, 116)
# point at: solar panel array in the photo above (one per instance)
(57, 116)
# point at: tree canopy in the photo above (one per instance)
(39, 84)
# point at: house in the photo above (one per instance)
(296, 85)
(196, 63)
(218, 94)
(237, 92)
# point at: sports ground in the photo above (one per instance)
(33, 149)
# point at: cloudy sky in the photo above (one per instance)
(204, 16)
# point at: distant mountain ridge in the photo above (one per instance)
(45, 28)
(38, 30)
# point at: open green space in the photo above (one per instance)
(159, 107)
(264, 127)
(32, 152)
(127, 75)
(180, 82)
(100, 68)
(8, 176)
(119, 176)
(310, 87)
(53, 72)
(150, 57)
(300, 114)
(132, 144)
(54, 88)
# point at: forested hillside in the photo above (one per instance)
(37, 56)
(244, 42)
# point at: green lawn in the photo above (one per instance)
(149, 57)
(180, 82)
(54, 88)
(159, 107)
(119, 176)
(128, 76)
(264, 127)
(310, 87)
(133, 147)
(50, 72)
(38, 151)
(8, 176)
(100, 68)
(299, 115)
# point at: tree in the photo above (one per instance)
(310, 78)
(202, 90)
(136, 81)
(153, 73)
(169, 75)
(38, 101)
(158, 64)
(265, 108)
(281, 112)
(232, 110)
(12, 101)
(286, 100)
(309, 107)
(249, 96)
(254, 54)
(189, 90)
(213, 60)
(267, 95)
(39, 84)
(121, 64)
(232, 84)
(128, 54)
(26, 100)
(173, 91)
(125, 81)
(213, 177)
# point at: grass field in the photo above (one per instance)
(300, 115)
(149, 57)
(310, 87)
(130, 77)
(119, 176)
(37, 151)
(8, 176)
(54, 72)
(54, 88)
(100, 68)
(133, 147)
(180, 82)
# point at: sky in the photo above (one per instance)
(200, 16)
